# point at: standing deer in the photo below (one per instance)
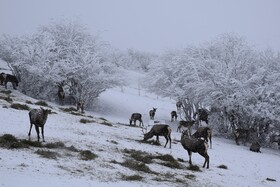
(179, 105)
(134, 117)
(38, 117)
(173, 116)
(202, 115)
(10, 78)
(152, 113)
(81, 106)
(159, 130)
(195, 145)
(185, 124)
(61, 94)
(205, 133)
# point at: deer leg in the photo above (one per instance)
(169, 137)
(157, 140)
(42, 129)
(206, 156)
(166, 140)
(29, 133)
(190, 157)
(37, 130)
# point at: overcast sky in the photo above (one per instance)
(151, 25)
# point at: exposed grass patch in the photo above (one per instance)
(190, 176)
(28, 102)
(19, 106)
(41, 103)
(270, 179)
(76, 113)
(132, 177)
(70, 109)
(83, 120)
(10, 142)
(32, 143)
(6, 92)
(223, 166)
(87, 155)
(147, 158)
(55, 145)
(7, 98)
(151, 142)
(47, 154)
(193, 168)
(137, 166)
(106, 123)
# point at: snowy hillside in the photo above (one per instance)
(122, 158)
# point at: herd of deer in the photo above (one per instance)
(193, 143)
(197, 142)
(190, 142)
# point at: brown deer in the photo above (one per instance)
(202, 115)
(38, 117)
(185, 124)
(179, 105)
(152, 113)
(245, 135)
(195, 145)
(159, 130)
(10, 78)
(205, 133)
(81, 106)
(61, 94)
(134, 117)
(173, 115)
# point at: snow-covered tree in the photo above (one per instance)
(60, 52)
(226, 75)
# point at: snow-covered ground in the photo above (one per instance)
(23, 167)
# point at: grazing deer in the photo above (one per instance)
(255, 147)
(159, 130)
(185, 124)
(173, 116)
(61, 94)
(134, 117)
(38, 117)
(202, 115)
(244, 135)
(179, 105)
(205, 133)
(152, 113)
(195, 145)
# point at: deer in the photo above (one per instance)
(179, 105)
(9, 78)
(186, 124)
(244, 135)
(205, 133)
(2, 78)
(61, 94)
(195, 145)
(255, 147)
(159, 130)
(152, 113)
(202, 115)
(134, 117)
(173, 115)
(38, 117)
(81, 106)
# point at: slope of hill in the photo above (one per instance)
(122, 159)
